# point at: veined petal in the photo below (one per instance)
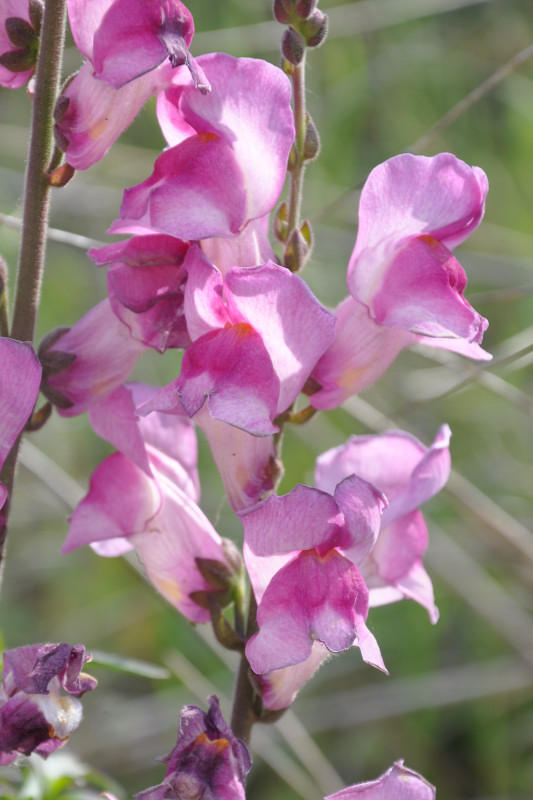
(249, 107)
(121, 502)
(417, 285)
(398, 783)
(311, 597)
(361, 505)
(20, 378)
(197, 190)
(295, 326)
(97, 113)
(231, 369)
(302, 519)
(247, 464)
(134, 36)
(205, 309)
(248, 249)
(358, 356)
(280, 687)
(409, 195)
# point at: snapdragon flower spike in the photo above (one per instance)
(226, 163)
(302, 552)
(20, 378)
(208, 760)
(405, 285)
(145, 498)
(132, 51)
(409, 474)
(256, 336)
(84, 363)
(398, 783)
(34, 715)
(19, 40)
(145, 283)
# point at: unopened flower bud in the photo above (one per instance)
(61, 176)
(293, 158)
(315, 29)
(293, 46)
(20, 32)
(283, 11)
(296, 252)
(305, 7)
(312, 141)
(36, 11)
(307, 233)
(281, 229)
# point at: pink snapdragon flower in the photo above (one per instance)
(133, 49)
(409, 474)
(84, 363)
(303, 552)
(226, 163)
(34, 715)
(398, 783)
(256, 336)
(405, 285)
(208, 760)
(146, 282)
(144, 497)
(20, 22)
(20, 378)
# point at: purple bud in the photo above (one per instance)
(315, 28)
(312, 141)
(305, 7)
(283, 11)
(20, 32)
(293, 46)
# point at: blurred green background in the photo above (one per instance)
(458, 705)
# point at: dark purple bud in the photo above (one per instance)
(305, 7)
(20, 32)
(284, 11)
(312, 141)
(315, 29)
(18, 60)
(208, 760)
(293, 46)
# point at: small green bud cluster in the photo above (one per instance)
(308, 27)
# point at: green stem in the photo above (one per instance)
(36, 204)
(37, 189)
(244, 715)
(297, 174)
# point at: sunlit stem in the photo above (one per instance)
(36, 203)
(297, 174)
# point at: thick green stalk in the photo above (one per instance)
(36, 203)
(297, 174)
(37, 188)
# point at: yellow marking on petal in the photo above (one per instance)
(430, 241)
(168, 589)
(217, 745)
(96, 130)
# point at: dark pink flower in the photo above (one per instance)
(408, 474)
(133, 49)
(406, 287)
(146, 284)
(144, 498)
(302, 552)
(208, 761)
(398, 783)
(34, 715)
(227, 158)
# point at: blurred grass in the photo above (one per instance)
(458, 705)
